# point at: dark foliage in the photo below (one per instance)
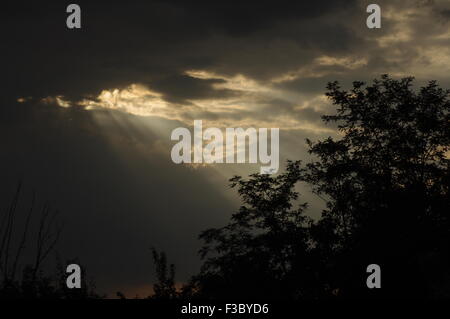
(20, 237)
(164, 288)
(386, 185)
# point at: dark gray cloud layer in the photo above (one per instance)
(154, 42)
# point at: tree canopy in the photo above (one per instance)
(386, 185)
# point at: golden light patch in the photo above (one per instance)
(58, 100)
(135, 99)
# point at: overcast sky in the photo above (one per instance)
(86, 115)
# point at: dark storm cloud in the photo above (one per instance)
(243, 18)
(445, 14)
(155, 42)
(179, 88)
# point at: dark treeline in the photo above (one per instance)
(28, 238)
(386, 187)
(385, 182)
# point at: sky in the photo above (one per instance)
(86, 114)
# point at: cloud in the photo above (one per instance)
(235, 64)
(250, 105)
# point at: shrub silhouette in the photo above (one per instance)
(25, 278)
(164, 288)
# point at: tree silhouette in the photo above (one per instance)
(164, 288)
(386, 184)
(14, 239)
(23, 278)
(263, 247)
